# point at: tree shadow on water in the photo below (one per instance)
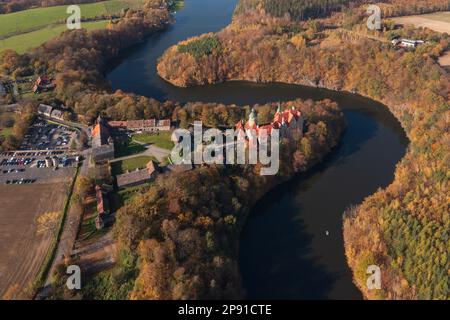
(276, 257)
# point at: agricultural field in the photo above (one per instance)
(29, 216)
(30, 28)
(439, 22)
(22, 42)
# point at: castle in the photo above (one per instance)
(288, 122)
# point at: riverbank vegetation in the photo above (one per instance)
(403, 228)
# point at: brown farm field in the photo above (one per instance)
(439, 22)
(24, 241)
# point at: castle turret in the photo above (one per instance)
(279, 108)
(252, 118)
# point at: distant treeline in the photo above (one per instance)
(19, 5)
(297, 9)
(307, 9)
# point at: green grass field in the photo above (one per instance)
(161, 139)
(27, 29)
(127, 148)
(130, 164)
(23, 42)
(34, 19)
(5, 132)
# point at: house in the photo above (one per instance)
(57, 114)
(163, 125)
(50, 112)
(102, 142)
(103, 208)
(138, 177)
(42, 84)
(42, 80)
(406, 43)
(102, 200)
(149, 125)
(45, 110)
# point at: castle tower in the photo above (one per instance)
(252, 120)
(251, 127)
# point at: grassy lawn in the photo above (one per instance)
(33, 19)
(5, 132)
(23, 42)
(88, 230)
(127, 148)
(121, 197)
(161, 139)
(139, 162)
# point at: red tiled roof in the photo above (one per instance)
(267, 127)
(137, 124)
(286, 116)
(96, 130)
(102, 202)
(163, 123)
(254, 126)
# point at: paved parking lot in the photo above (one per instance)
(38, 175)
(46, 135)
(36, 167)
